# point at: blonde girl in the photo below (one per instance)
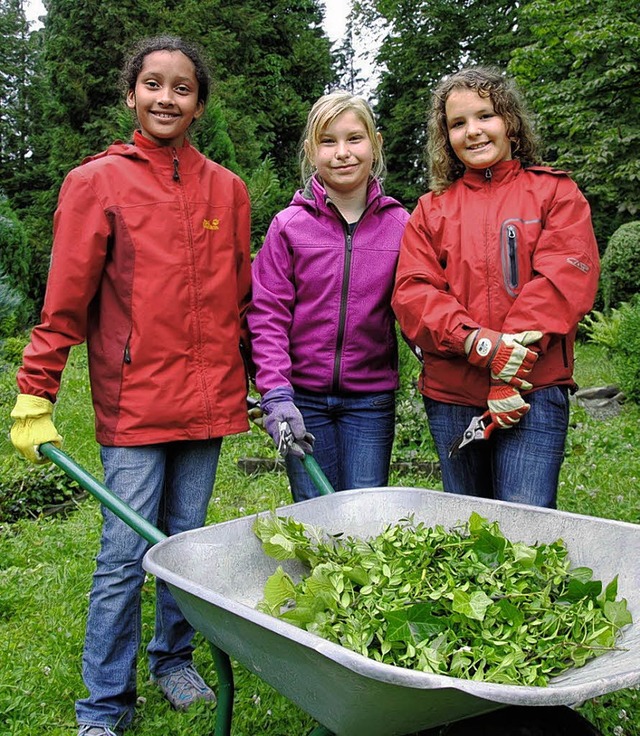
(322, 329)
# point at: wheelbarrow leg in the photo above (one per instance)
(224, 709)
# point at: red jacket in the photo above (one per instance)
(151, 266)
(512, 249)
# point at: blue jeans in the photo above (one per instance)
(170, 485)
(521, 464)
(354, 437)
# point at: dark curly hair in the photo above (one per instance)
(444, 166)
(146, 46)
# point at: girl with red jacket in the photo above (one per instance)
(322, 329)
(497, 266)
(151, 266)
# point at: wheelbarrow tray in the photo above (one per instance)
(217, 574)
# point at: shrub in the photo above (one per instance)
(621, 265)
(11, 348)
(26, 490)
(628, 349)
(15, 257)
(619, 332)
(15, 309)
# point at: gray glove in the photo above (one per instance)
(285, 424)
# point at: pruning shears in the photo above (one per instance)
(480, 428)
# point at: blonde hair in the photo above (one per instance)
(322, 114)
(444, 166)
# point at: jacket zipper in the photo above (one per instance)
(512, 249)
(346, 273)
(193, 298)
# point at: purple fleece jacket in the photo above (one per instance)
(321, 317)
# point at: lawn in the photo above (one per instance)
(46, 563)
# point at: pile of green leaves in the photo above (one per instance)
(464, 602)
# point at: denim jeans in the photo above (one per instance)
(353, 440)
(170, 485)
(520, 464)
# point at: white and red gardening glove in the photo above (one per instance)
(506, 355)
(505, 403)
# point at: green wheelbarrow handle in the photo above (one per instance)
(152, 535)
(106, 497)
(319, 479)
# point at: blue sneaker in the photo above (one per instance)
(184, 687)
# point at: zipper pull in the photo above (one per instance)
(488, 174)
(127, 354)
(349, 238)
(176, 173)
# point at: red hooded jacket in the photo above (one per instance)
(151, 266)
(511, 250)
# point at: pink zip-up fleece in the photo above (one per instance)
(321, 317)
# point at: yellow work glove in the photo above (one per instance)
(33, 426)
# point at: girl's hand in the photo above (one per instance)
(505, 403)
(33, 427)
(505, 355)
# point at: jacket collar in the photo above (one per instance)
(315, 195)
(145, 150)
(502, 173)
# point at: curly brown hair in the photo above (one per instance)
(444, 166)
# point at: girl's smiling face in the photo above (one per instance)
(477, 133)
(343, 155)
(165, 97)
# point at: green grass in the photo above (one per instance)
(46, 566)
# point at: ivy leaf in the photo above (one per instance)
(473, 606)
(618, 613)
(523, 554)
(489, 548)
(513, 614)
(611, 591)
(577, 590)
(416, 624)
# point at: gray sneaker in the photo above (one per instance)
(96, 731)
(183, 687)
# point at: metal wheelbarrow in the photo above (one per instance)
(217, 576)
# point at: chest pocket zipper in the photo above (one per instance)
(512, 252)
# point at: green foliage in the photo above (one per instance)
(267, 198)
(621, 265)
(619, 331)
(15, 256)
(14, 310)
(211, 136)
(465, 601)
(11, 348)
(628, 349)
(421, 42)
(28, 490)
(579, 72)
(604, 329)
